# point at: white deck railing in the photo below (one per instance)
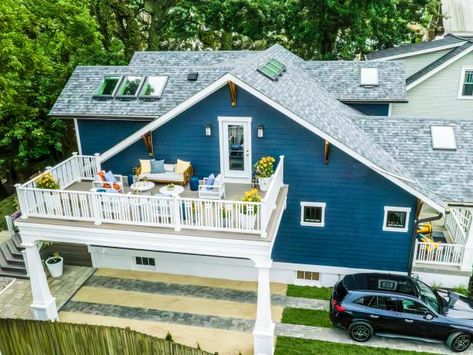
(458, 223)
(156, 211)
(438, 253)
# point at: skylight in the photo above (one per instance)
(443, 138)
(108, 86)
(272, 69)
(369, 77)
(153, 87)
(129, 87)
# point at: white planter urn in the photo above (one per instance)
(248, 221)
(55, 268)
(264, 183)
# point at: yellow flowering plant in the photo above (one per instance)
(251, 196)
(264, 167)
(47, 181)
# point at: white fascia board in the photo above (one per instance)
(128, 239)
(223, 81)
(412, 54)
(439, 68)
(76, 128)
(165, 118)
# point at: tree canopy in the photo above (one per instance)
(42, 41)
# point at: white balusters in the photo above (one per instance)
(439, 253)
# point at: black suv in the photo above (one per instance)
(387, 304)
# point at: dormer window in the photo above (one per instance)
(129, 87)
(443, 138)
(153, 87)
(466, 84)
(108, 86)
(369, 77)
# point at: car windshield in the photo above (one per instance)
(429, 296)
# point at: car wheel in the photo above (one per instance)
(458, 342)
(360, 331)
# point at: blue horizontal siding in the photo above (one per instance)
(355, 195)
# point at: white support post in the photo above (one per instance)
(176, 213)
(97, 162)
(96, 206)
(21, 201)
(467, 261)
(263, 333)
(44, 304)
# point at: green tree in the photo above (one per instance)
(41, 42)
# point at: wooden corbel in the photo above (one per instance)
(148, 140)
(327, 152)
(233, 92)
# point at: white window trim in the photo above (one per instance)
(462, 81)
(313, 204)
(396, 209)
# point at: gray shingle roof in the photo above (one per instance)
(412, 48)
(447, 174)
(76, 98)
(445, 58)
(342, 79)
(189, 58)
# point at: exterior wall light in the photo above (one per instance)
(260, 131)
(208, 130)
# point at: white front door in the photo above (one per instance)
(235, 147)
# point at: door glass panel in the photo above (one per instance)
(236, 147)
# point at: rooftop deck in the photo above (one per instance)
(77, 203)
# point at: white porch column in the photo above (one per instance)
(467, 261)
(44, 304)
(263, 333)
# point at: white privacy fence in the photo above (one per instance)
(155, 211)
(439, 253)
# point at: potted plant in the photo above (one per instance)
(55, 265)
(264, 170)
(248, 212)
(47, 181)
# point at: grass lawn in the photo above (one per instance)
(315, 318)
(295, 346)
(321, 293)
(7, 206)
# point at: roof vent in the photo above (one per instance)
(192, 76)
(443, 138)
(369, 77)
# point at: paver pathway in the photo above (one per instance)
(16, 300)
(217, 293)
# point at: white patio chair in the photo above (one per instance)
(212, 192)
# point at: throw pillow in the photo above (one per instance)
(101, 174)
(209, 183)
(157, 167)
(145, 166)
(110, 177)
(218, 180)
(182, 166)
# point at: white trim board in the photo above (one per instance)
(229, 77)
(439, 68)
(76, 128)
(412, 54)
(387, 209)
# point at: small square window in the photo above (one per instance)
(313, 214)
(144, 262)
(108, 86)
(308, 275)
(129, 87)
(396, 219)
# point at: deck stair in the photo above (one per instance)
(11, 259)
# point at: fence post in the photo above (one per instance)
(96, 206)
(21, 201)
(176, 213)
(97, 162)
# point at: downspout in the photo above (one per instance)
(414, 237)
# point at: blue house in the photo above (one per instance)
(350, 188)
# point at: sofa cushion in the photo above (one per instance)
(182, 166)
(157, 167)
(166, 176)
(169, 167)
